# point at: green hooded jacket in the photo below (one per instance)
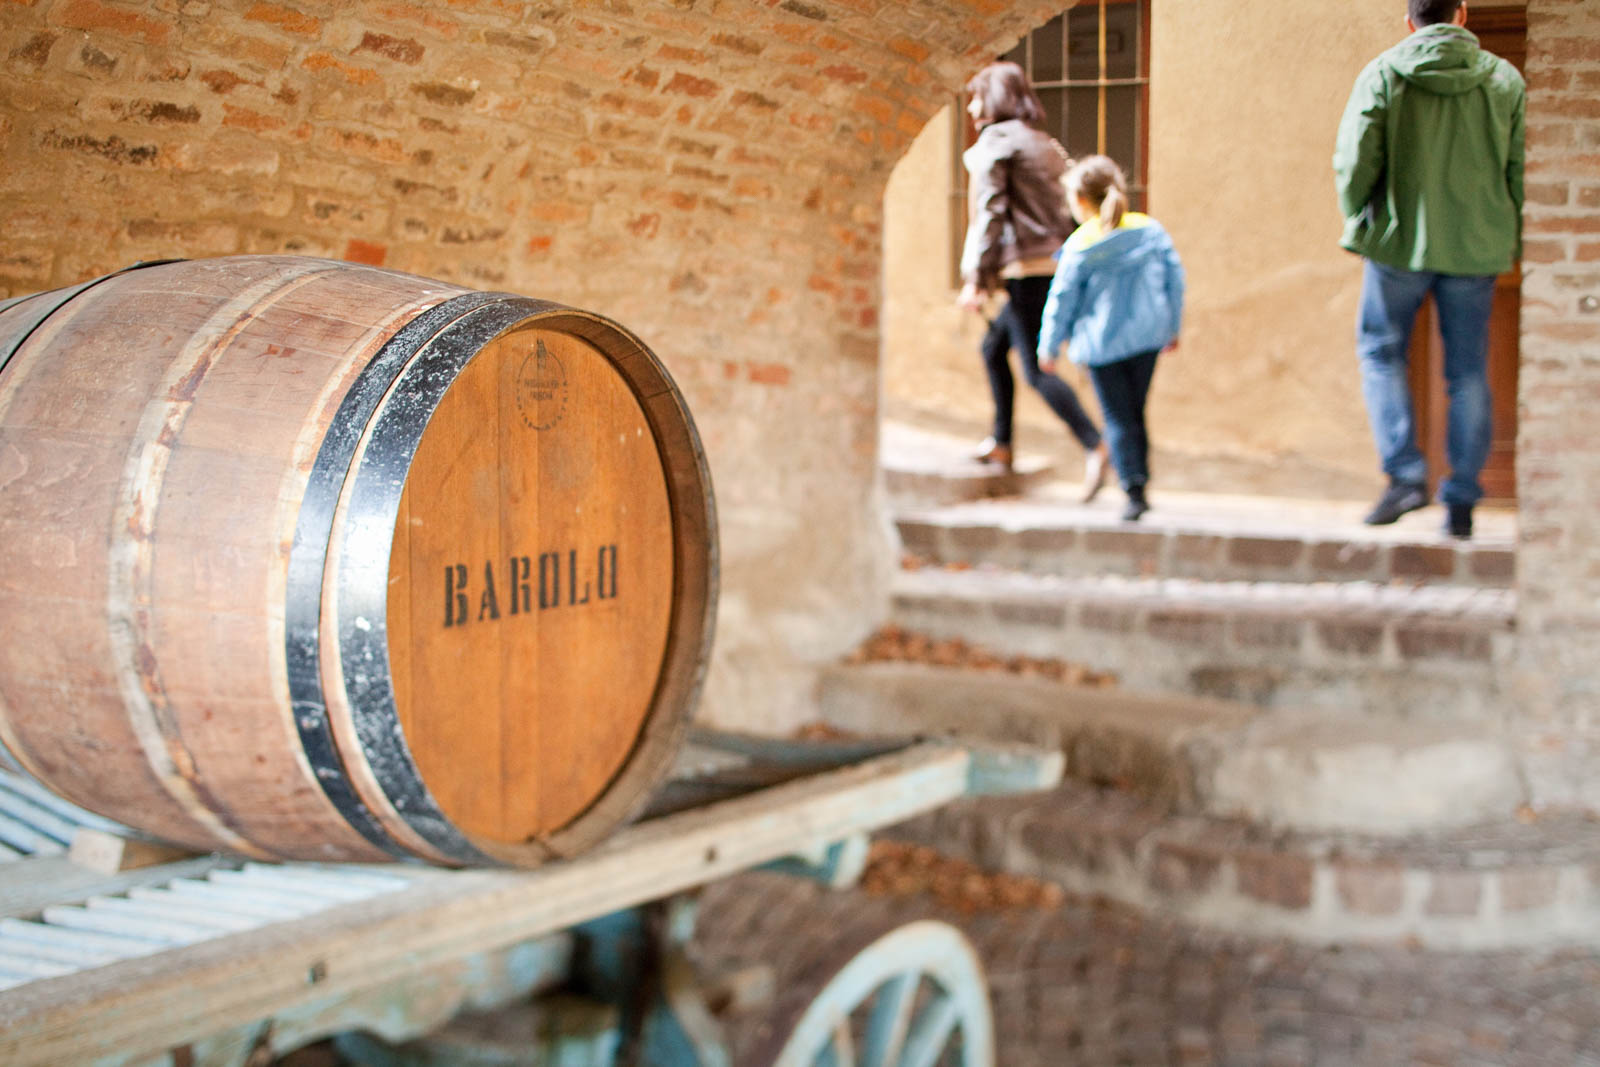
(1429, 157)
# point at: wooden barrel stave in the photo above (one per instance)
(235, 760)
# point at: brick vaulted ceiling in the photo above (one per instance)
(476, 139)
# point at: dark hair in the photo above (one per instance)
(1004, 90)
(1099, 180)
(1432, 12)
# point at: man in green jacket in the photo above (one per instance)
(1429, 168)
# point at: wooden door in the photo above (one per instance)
(1503, 31)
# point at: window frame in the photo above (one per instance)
(963, 134)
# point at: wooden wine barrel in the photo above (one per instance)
(308, 560)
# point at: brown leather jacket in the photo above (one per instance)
(1018, 205)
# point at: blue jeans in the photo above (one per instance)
(1390, 300)
(1122, 387)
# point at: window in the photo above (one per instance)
(1091, 68)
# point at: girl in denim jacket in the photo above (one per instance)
(1117, 300)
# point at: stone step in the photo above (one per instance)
(1044, 537)
(1515, 882)
(1293, 769)
(1434, 652)
(924, 469)
(1109, 736)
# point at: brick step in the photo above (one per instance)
(1355, 647)
(926, 469)
(1045, 538)
(1292, 769)
(1508, 883)
(957, 483)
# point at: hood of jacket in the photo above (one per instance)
(1125, 247)
(1441, 59)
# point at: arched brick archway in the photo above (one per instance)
(707, 171)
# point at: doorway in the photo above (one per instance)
(1503, 31)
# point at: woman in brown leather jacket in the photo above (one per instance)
(1019, 219)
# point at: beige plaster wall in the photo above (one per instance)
(1245, 100)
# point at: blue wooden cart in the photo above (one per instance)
(207, 960)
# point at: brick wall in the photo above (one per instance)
(710, 174)
(1558, 450)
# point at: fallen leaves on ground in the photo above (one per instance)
(892, 644)
(901, 870)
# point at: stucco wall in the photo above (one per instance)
(1245, 97)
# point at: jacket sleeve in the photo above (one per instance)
(990, 200)
(1360, 153)
(1061, 307)
(1176, 283)
(1518, 149)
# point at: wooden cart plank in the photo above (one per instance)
(173, 998)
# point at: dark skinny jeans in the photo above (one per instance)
(1122, 387)
(1017, 328)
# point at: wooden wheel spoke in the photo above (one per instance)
(891, 1014)
(931, 1031)
(906, 994)
(841, 1050)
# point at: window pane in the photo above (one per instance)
(1083, 122)
(1122, 128)
(1019, 54)
(1047, 52)
(1055, 113)
(1122, 40)
(1083, 42)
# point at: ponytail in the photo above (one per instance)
(1112, 208)
(1099, 180)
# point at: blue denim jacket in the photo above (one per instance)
(1115, 296)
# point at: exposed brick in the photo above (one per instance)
(975, 538)
(1454, 894)
(1187, 627)
(1343, 559)
(1024, 613)
(1350, 637)
(1420, 641)
(358, 251)
(1270, 552)
(1493, 565)
(121, 21)
(285, 18)
(1266, 632)
(1196, 548)
(1370, 890)
(1046, 539)
(399, 49)
(1136, 544)
(35, 50)
(921, 538)
(318, 62)
(1116, 620)
(1280, 879)
(1178, 868)
(689, 85)
(769, 374)
(1528, 888)
(1422, 561)
(113, 148)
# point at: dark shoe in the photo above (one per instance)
(1396, 501)
(992, 451)
(1457, 521)
(1136, 505)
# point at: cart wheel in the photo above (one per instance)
(915, 997)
